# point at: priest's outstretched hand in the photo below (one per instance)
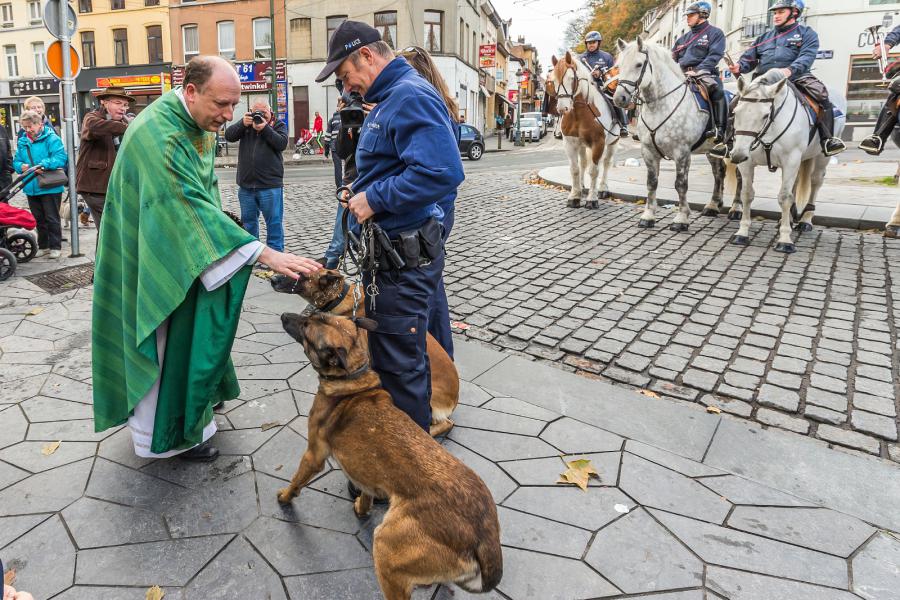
(288, 264)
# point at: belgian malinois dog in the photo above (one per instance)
(442, 524)
(328, 291)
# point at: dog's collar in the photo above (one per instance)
(349, 376)
(336, 302)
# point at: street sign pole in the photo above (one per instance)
(66, 89)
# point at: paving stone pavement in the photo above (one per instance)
(92, 521)
(805, 342)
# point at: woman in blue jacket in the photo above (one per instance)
(41, 146)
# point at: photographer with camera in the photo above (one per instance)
(260, 170)
(405, 174)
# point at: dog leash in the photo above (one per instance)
(359, 251)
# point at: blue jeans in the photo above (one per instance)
(269, 202)
(336, 247)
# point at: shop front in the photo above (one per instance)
(13, 95)
(145, 82)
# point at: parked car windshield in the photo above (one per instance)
(529, 123)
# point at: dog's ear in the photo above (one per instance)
(365, 323)
(340, 357)
(330, 278)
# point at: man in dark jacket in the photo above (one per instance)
(791, 48)
(101, 134)
(405, 174)
(600, 61)
(887, 119)
(698, 53)
(260, 171)
(6, 168)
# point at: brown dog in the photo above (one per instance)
(442, 524)
(327, 290)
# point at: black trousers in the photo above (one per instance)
(338, 169)
(45, 208)
(95, 202)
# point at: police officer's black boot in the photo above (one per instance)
(622, 116)
(720, 117)
(722, 149)
(887, 121)
(830, 144)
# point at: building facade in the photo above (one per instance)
(530, 86)
(845, 46)
(124, 43)
(23, 44)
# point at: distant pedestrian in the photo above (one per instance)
(260, 171)
(508, 123)
(101, 135)
(330, 140)
(42, 147)
(6, 166)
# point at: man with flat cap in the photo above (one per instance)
(171, 273)
(406, 171)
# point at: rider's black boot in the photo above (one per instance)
(622, 116)
(830, 144)
(720, 117)
(722, 149)
(887, 121)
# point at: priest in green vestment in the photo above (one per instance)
(171, 273)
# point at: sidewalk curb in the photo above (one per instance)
(825, 216)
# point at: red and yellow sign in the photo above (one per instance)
(135, 80)
(487, 56)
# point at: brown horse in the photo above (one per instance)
(588, 127)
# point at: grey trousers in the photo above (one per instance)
(95, 202)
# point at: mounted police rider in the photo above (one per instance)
(790, 47)
(698, 53)
(887, 120)
(599, 62)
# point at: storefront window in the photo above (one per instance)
(154, 44)
(191, 39)
(226, 39)
(88, 52)
(262, 38)
(386, 24)
(434, 24)
(37, 49)
(120, 46)
(865, 91)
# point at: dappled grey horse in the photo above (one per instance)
(671, 125)
(773, 127)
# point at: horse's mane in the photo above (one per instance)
(660, 56)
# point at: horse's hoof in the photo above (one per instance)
(646, 223)
(603, 195)
(786, 248)
(804, 227)
(680, 227)
(735, 215)
(592, 204)
(573, 203)
(892, 231)
(740, 240)
(709, 212)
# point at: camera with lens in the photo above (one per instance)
(352, 115)
(258, 117)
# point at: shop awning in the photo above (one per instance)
(484, 92)
(506, 100)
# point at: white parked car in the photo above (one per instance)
(539, 118)
(530, 128)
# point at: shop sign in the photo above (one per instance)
(33, 87)
(177, 75)
(512, 96)
(252, 74)
(487, 56)
(135, 80)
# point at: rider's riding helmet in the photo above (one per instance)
(699, 8)
(593, 36)
(796, 5)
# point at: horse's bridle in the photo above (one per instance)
(562, 84)
(636, 85)
(770, 120)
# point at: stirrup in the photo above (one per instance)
(719, 151)
(873, 145)
(837, 146)
(623, 132)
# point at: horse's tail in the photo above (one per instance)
(731, 180)
(804, 185)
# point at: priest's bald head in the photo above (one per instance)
(211, 90)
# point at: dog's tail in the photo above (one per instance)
(490, 560)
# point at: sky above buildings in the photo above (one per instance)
(542, 22)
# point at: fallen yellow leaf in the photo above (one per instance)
(155, 593)
(713, 409)
(578, 473)
(50, 448)
(270, 425)
(9, 577)
(649, 393)
(35, 311)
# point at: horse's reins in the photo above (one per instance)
(770, 120)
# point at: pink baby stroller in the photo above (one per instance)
(16, 243)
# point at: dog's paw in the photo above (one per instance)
(362, 506)
(285, 496)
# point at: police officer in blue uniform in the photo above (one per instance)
(599, 61)
(404, 176)
(887, 120)
(698, 53)
(792, 48)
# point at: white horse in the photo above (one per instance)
(773, 128)
(589, 129)
(671, 125)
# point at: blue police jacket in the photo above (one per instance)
(601, 59)
(774, 50)
(700, 49)
(893, 37)
(407, 157)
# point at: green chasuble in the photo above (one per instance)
(162, 227)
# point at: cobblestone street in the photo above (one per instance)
(806, 342)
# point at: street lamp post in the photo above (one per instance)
(520, 139)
